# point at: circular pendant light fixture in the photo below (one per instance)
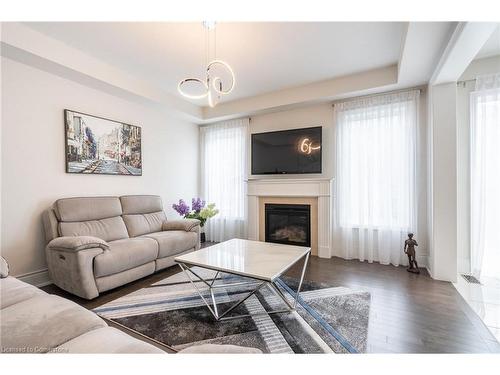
(219, 79)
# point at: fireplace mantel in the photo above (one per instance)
(321, 188)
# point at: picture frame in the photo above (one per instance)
(97, 145)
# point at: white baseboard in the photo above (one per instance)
(37, 278)
(429, 270)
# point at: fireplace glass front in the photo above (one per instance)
(288, 224)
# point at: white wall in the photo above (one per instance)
(477, 67)
(443, 198)
(322, 115)
(463, 176)
(33, 156)
(422, 182)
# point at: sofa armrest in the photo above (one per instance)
(188, 225)
(4, 268)
(70, 261)
(77, 243)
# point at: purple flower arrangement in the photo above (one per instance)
(198, 204)
(182, 208)
(198, 210)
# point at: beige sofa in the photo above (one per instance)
(32, 321)
(95, 244)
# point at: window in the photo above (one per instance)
(485, 177)
(375, 174)
(223, 166)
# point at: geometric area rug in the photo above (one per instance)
(328, 318)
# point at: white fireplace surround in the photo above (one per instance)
(321, 188)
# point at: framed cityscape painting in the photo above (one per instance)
(95, 145)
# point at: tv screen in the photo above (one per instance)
(287, 152)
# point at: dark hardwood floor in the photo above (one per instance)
(409, 313)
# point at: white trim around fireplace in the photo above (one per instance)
(320, 188)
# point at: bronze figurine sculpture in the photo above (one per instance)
(409, 250)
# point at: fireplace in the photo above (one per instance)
(288, 224)
(315, 193)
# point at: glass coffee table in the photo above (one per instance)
(260, 261)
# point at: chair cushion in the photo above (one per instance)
(13, 291)
(173, 242)
(141, 204)
(139, 224)
(106, 341)
(87, 208)
(44, 322)
(124, 255)
(109, 229)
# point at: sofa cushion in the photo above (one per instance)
(141, 204)
(139, 224)
(13, 291)
(4, 267)
(173, 242)
(124, 255)
(87, 208)
(106, 340)
(109, 229)
(50, 225)
(115, 280)
(44, 322)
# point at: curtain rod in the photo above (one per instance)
(230, 119)
(417, 88)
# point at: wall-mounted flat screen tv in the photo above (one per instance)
(293, 151)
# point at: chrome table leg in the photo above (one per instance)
(222, 316)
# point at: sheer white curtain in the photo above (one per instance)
(223, 155)
(485, 176)
(376, 176)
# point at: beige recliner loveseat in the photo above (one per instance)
(95, 244)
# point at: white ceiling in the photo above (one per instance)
(265, 56)
(491, 47)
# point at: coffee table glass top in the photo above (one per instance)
(259, 260)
